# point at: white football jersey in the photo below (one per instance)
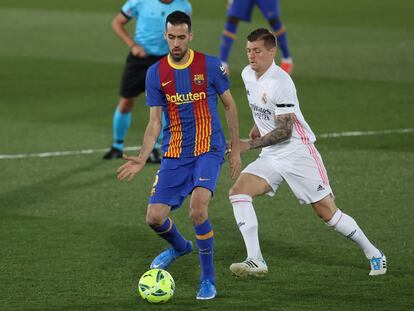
(273, 94)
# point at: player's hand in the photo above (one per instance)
(254, 133)
(235, 161)
(138, 51)
(131, 168)
(244, 146)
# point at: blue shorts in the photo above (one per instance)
(177, 178)
(242, 9)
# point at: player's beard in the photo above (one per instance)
(177, 57)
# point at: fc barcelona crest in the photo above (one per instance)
(199, 79)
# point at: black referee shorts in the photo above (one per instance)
(133, 77)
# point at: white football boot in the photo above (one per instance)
(378, 265)
(253, 267)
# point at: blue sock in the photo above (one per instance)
(169, 232)
(121, 124)
(205, 243)
(282, 41)
(227, 38)
(158, 143)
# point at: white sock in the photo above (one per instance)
(347, 226)
(247, 222)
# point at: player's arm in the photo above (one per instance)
(135, 164)
(152, 132)
(281, 133)
(118, 25)
(233, 124)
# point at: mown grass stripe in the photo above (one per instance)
(134, 148)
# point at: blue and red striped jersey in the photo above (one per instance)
(188, 96)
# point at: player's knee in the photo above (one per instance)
(235, 190)
(325, 208)
(154, 219)
(126, 104)
(198, 215)
(232, 191)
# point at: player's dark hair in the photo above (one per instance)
(265, 35)
(178, 18)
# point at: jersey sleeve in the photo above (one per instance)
(285, 97)
(188, 9)
(131, 8)
(219, 76)
(153, 91)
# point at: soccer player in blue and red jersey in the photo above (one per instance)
(242, 10)
(184, 86)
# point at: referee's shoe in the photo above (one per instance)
(115, 153)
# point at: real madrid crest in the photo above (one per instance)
(264, 98)
(199, 79)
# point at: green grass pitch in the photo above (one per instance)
(72, 237)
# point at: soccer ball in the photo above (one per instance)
(156, 286)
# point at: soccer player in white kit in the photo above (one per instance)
(288, 154)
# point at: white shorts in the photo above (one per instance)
(303, 170)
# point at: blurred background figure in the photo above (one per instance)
(146, 48)
(242, 10)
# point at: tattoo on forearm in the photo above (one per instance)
(282, 132)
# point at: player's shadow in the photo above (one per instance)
(310, 254)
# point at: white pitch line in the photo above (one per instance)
(365, 133)
(58, 153)
(92, 151)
